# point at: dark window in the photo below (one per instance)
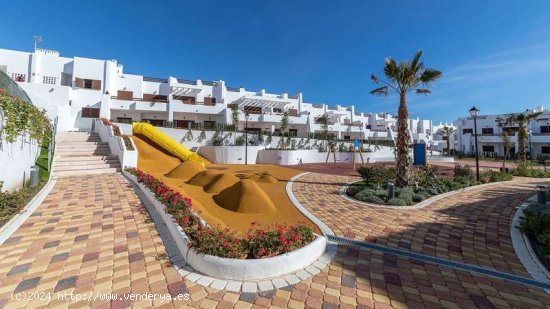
(544, 129)
(124, 120)
(293, 132)
(466, 131)
(369, 126)
(545, 149)
(155, 122)
(488, 148)
(347, 137)
(155, 98)
(487, 131)
(252, 109)
(209, 101)
(511, 130)
(185, 99)
(183, 124)
(209, 125)
(125, 95)
(88, 83)
(88, 112)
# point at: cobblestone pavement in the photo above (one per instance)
(471, 226)
(91, 235)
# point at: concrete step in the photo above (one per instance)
(83, 148)
(76, 140)
(94, 158)
(80, 144)
(58, 168)
(84, 152)
(77, 162)
(87, 172)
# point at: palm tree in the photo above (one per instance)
(522, 120)
(507, 143)
(403, 78)
(448, 133)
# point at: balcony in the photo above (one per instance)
(138, 105)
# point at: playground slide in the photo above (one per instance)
(165, 142)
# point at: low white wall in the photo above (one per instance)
(127, 158)
(234, 269)
(16, 160)
(293, 157)
(230, 154)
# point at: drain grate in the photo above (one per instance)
(443, 262)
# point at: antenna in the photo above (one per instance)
(37, 39)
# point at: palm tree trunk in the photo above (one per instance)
(521, 143)
(402, 145)
(448, 146)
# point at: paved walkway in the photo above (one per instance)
(91, 235)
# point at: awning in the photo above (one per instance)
(263, 102)
(184, 89)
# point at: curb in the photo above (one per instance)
(524, 251)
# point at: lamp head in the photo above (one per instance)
(474, 112)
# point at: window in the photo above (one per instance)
(347, 137)
(87, 83)
(488, 131)
(183, 124)
(544, 129)
(209, 101)
(49, 80)
(125, 95)
(124, 120)
(252, 109)
(545, 149)
(209, 125)
(369, 126)
(511, 130)
(488, 148)
(466, 131)
(155, 98)
(88, 112)
(19, 77)
(293, 132)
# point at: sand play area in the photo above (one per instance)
(224, 194)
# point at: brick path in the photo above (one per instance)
(91, 235)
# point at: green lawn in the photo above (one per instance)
(42, 162)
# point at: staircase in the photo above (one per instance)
(83, 153)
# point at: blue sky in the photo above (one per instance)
(493, 54)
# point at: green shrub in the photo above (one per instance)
(418, 197)
(381, 193)
(493, 176)
(352, 190)
(463, 171)
(406, 194)
(397, 202)
(367, 195)
(535, 220)
(544, 238)
(377, 174)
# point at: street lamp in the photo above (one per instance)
(246, 117)
(474, 112)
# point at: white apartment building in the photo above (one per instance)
(490, 128)
(78, 89)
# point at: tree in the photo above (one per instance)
(284, 126)
(401, 79)
(235, 118)
(448, 133)
(522, 120)
(507, 143)
(323, 120)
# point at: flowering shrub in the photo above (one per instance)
(258, 243)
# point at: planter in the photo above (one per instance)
(230, 154)
(234, 269)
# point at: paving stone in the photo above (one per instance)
(265, 285)
(292, 279)
(279, 283)
(218, 284)
(249, 287)
(233, 286)
(205, 281)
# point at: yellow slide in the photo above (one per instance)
(165, 142)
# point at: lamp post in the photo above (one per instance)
(246, 116)
(474, 112)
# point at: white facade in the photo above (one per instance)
(79, 89)
(489, 130)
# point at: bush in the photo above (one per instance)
(463, 171)
(535, 220)
(525, 171)
(377, 174)
(544, 238)
(367, 195)
(417, 197)
(397, 202)
(352, 190)
(406, 194)
(494, 176)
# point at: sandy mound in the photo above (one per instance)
(220, 182)
(245, 197)
(186, 170)
(264, 178)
